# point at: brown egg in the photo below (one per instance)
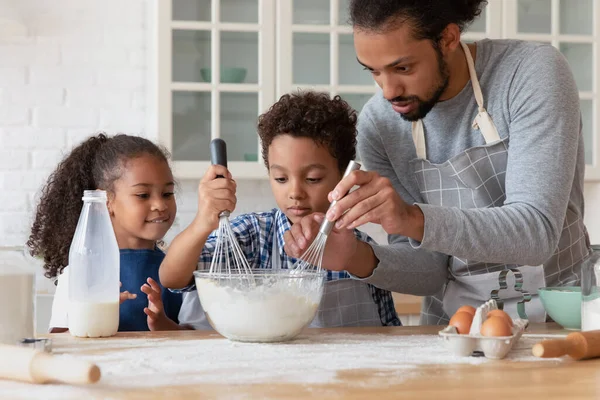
(495, 326)
(502, 314)
(462, 322)
(469, 309)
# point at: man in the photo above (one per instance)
(475, 160)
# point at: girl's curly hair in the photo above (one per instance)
(330, 122)
(95, 164)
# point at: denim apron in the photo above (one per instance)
(136, 267)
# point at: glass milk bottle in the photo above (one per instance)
(94, 271)
(16, 296)
(590, 291)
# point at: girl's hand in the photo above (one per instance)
(155, 310)
(125, 295)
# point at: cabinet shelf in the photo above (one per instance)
(322, 29)
(239, 169)
(221, 87)
(220, 26)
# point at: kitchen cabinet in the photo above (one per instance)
(572, 27)
(223, 62)
(216, 70)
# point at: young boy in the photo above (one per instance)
(307, 141)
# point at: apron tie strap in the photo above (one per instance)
(482, 121)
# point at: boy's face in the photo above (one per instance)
(301, 173)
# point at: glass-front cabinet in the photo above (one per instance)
(216, 69)
(223, 62)
(572, 27)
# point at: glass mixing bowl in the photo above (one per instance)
(265, 306)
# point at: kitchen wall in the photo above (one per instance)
(86, 65)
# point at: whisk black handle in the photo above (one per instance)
(218, 156)
(218, 153)
(326, 225)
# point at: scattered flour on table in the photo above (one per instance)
(310, 359)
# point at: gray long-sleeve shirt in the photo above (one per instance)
(531, 95)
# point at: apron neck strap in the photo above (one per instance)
(482, 121)
(473, 76)
(418, 135)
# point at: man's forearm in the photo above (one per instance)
(363, 261)
(400, 268)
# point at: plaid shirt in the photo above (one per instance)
(255, 234)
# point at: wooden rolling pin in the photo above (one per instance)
(30, 365)
(578, 345)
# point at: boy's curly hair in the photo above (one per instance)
(95, 164)
(330, 122)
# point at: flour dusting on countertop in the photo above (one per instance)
(310, 359)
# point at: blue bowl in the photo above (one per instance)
(228, 75)
(563, 305)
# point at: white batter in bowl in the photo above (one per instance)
(267, 306)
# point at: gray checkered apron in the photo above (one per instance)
(345, 302)
(475, 179)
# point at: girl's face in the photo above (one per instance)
(142, 207)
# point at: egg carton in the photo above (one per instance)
(473, 343)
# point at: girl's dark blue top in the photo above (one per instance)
(136, 267)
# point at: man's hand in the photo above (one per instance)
(374, 201)
(342, 252)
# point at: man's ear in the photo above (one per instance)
(450, 40)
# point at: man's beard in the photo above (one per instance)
(424, 106)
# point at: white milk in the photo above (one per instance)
(87, 319)
(16, 305)
(590, 315)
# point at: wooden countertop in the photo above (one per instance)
(527, 378)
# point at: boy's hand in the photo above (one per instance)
(155, 310)
(341, 243)
(214, 196)
(123, 296)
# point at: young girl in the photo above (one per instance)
(136, 175)
(307, 140)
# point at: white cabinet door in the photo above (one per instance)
(216, 75)
(572, 27)
(315, 50)
(487, 25)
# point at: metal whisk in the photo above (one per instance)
(313, 256)
(228, 257)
